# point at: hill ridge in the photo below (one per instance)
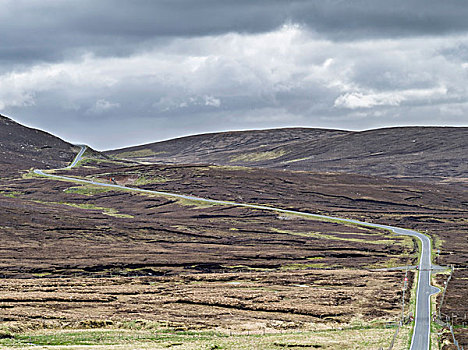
(23, 147)
(413, 151)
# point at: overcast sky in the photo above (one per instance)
(112, 73)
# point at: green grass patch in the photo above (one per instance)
(142, 153)
(412, 304)
(42, 274)
(336, 238)
(11, 194)
(194, 203)
(144, 180)
(98, 161)
(258, 156)
(392, 261)
(344, 339)
(232, 167)
(88, 190)
(87, 206)
(299, 266)
(437, 245)
(249, 268)
(296, 160)
(84, 337)
(31, 175)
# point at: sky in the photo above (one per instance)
(114, 73)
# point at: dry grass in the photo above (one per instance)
(344, 339)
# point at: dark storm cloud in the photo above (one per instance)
(342, 19)
(114, 73)
(55, 30)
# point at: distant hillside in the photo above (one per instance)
(411, 152)
(23, 148)
(236, 147)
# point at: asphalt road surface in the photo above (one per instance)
(422, 326)
(78, 157)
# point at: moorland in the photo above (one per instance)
(83, 264)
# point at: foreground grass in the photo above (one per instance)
(367, 338)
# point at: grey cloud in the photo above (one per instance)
(458, 53)
(343, 19)
(160, 69)
(57, 30)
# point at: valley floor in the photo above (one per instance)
(190, 274)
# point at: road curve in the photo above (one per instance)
(422, 326)
(78, 157)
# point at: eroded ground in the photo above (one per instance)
(59, 228)
(438, 210)
(77, 252)
(244, 301)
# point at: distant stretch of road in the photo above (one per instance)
(78, 157)
(422, 326)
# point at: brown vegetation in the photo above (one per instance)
(237, 301)
(23, 148)
(72, 251)
(423, 153)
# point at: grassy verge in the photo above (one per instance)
(356, 339)
(412, 305)
(435, 327)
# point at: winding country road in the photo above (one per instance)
(78, 157)
(422, 326)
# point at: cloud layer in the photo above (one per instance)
(147, 70)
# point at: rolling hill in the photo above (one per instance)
(76, 254)
(22, 148)
(425, 153)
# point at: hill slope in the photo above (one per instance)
(22, 148)
(225, 147)
(412, 152)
